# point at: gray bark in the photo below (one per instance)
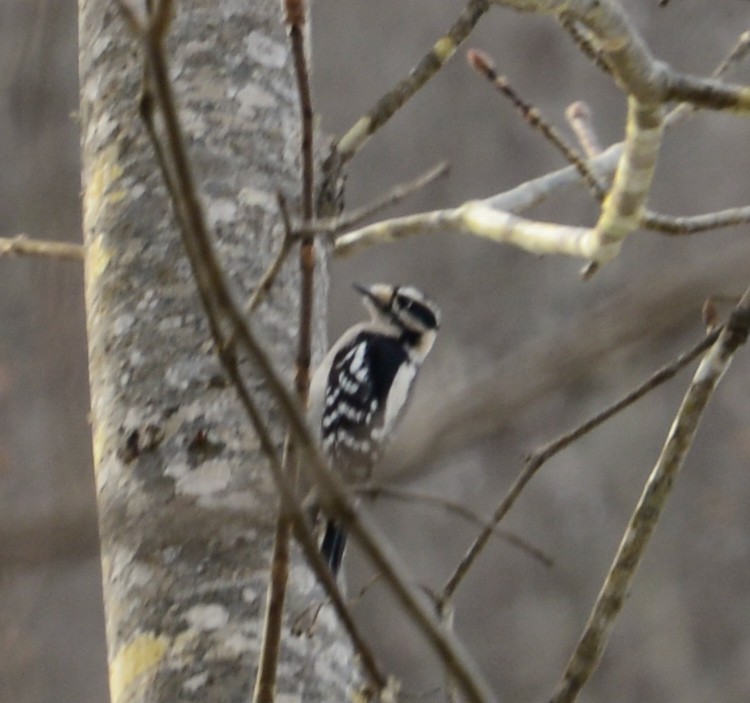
(186, 508)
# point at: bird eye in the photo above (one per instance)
(405, 303)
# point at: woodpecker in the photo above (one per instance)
(360, 390)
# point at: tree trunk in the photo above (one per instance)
(186, 508)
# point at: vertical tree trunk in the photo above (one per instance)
(186, 510)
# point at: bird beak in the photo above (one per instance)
(364, 291)
(378, 295)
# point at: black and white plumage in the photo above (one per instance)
(360, 390)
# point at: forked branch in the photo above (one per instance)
(587, 653)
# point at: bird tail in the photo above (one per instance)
(332, 546)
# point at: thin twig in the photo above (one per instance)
(295, 12)
(483, 64)
(266, 282)
(315, 608)
(447, 614)
(265, 685)
(709, 312)
(582, 40)
(273, 620)
(263, 288)
(708, 222)
(21, 245)
(298, 626)
(375, 491)
(443, 49)
(542, 455)
(398, 193)
(578, 115)
(359, 595)
(635, 540)
(392, 197)
(666, 224)
(736, 54)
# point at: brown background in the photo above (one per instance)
(685, 631)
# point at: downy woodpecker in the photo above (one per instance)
(360, 390)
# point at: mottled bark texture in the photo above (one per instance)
(186, 508)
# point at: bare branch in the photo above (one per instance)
(374, 491)
(621, 211)
(649, 84)
(541, 456)
(736, 54)
(490, 219)
(482, 63)
(579, 117)
(638, 72)
(21, 245)
(583, 41)
(664, 224)
(707, 92)
(295, 19)
(479, 218)
(392, 197)
(443, 49)
(587, 653)
(269, 277)
(526, 195)
(624, 210)
(268, 660)
(265, 684)
(620, 215)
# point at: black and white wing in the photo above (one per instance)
(356, 418)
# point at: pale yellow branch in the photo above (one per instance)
(21, 245)
(478, 218)
(481, 219)
(624, 205)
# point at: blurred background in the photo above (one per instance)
(551, 348)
